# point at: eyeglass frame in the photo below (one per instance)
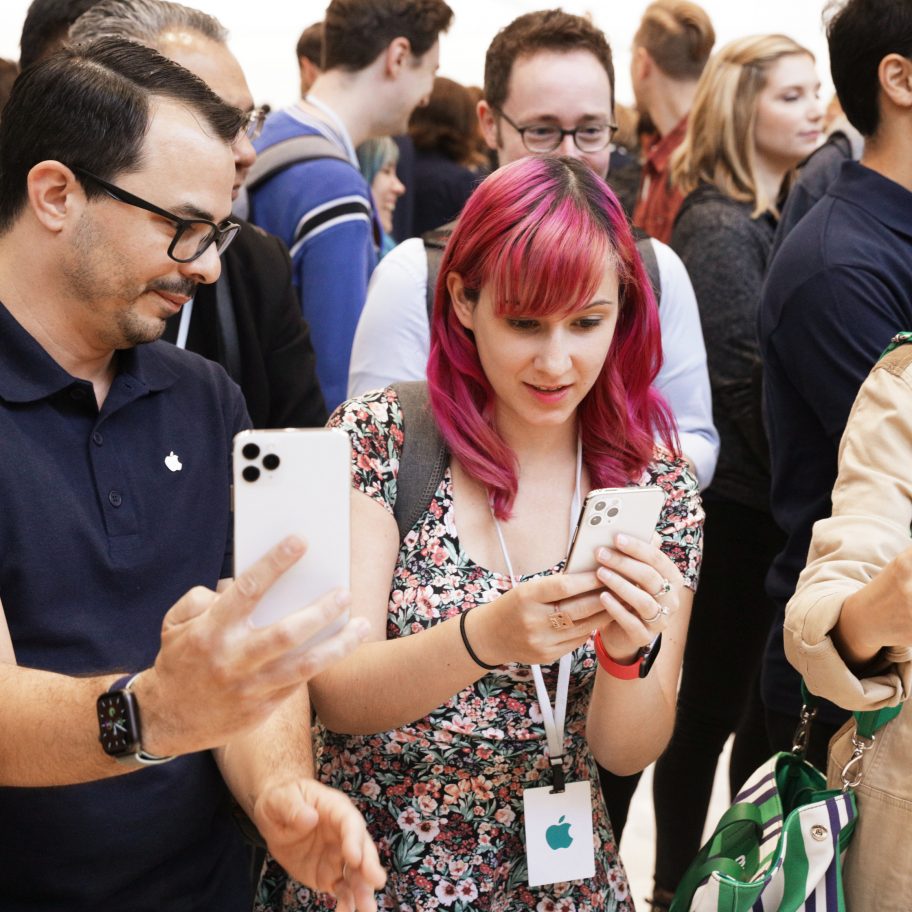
(131, 199)
(255, 121)
(611, 127)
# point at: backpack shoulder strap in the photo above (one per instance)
(435, 242)
(290, 152)
(424, 455)
(650, 261)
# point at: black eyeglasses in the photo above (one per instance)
(544, 138)
(256, 118)
(192, 237)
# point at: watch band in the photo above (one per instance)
(140, 758)
(638, 668)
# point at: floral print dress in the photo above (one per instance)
(443, 796)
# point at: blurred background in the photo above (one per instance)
(264, 32)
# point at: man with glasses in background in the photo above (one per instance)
(249, 320)
(549, 90)
(116, 168)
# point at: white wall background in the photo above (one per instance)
(264, 33)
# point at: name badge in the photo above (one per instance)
(560, 845)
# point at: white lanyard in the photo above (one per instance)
(553, 717)
(338, 128)
(183, 328)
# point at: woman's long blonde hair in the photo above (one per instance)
(719, 146)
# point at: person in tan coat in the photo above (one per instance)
(848, 628)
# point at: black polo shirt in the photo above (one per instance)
(106, 519)
(838, 290)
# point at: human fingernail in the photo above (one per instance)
(362, 628)
(343, 598)
(621, 539)
(293, 546)
(604, 554)
(604, 574)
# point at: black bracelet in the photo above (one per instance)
(469, 650)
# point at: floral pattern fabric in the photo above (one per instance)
(443, 796)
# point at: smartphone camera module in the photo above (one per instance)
(271, 462)
(250, 451)
(250, 473)
(595, 520)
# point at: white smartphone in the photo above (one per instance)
(297, 482)
(608, 512)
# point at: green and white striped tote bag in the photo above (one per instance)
(777, 849)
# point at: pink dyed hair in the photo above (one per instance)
(540, 232)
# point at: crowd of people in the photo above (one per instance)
(500, 323)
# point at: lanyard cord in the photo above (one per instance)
(554, 717)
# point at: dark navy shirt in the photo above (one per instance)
(838, 289)
(106, 519)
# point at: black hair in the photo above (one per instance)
(45, 28)
(88, 107)
(860, 34)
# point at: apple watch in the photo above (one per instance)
(638, 668)
(119, 725)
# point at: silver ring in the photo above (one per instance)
(664, 589)
(660, 610)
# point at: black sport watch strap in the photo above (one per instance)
(120, 732)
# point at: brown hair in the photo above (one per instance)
(546, 30)
(446, 123)
(310, 44)
(678, 35)
(356, 32)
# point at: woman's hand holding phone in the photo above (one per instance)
(642, 591)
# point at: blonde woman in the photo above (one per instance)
(756, 114)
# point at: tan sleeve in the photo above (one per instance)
(869, 526)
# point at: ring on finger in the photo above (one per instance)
(664, 589)
(660, 610)
(559, 621)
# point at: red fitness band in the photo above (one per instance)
(640, 666)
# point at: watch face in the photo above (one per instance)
(117, 723)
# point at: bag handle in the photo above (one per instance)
(867, 724)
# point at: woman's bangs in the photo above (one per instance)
(553, 263)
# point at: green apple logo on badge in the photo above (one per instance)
(558, 835)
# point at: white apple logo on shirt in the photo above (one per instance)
(172, 461)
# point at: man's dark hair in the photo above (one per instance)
(860, 34)
(45, 28)
(545, 30)
(9, 70)
(89, 107)
(678, 35)
(310, 44)
(356, 32)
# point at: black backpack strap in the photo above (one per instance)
(424, 455)
(650, 262)
(435, 242)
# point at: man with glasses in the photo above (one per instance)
(549, 90)
(249, 321)
(116, 169)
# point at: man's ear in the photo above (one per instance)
(462, 306)
(895, 75)
(641, 63)
(487, 121)
(54, 194)
(396, 56)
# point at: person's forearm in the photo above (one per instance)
(629, 722)
(279, 748)
(388, 684)
(49, 729)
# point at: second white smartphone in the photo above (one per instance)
(297, 482)
(608, 512)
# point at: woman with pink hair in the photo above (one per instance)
(544, 346)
